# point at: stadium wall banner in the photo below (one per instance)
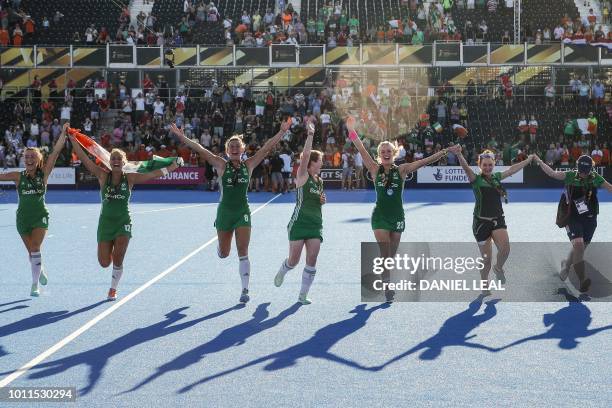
(59, 176)
(455, 174)
(181, 176)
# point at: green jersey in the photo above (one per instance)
(115, 199)
(233, 210)
(32, 211)
(388, 213)
(307, 220)
(488, 193)
(115, 217)
(234, 186)
(583, 193)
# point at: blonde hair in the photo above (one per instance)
(119, 152)
(38, 153)
(394, 147)
(486, 152)
(231, 139)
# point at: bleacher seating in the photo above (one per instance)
(78, 16)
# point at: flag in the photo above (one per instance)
(91, 147)
(103, 156)
(394, 23)
(460, 131)
(437, 127)
(582, 125)
(607, 44)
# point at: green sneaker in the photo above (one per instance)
(43, 277)
(35, 292)
(304, 300)
(278, 279)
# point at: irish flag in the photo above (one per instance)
(437, 127)
(582, 125)
(103, 156)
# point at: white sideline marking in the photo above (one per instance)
(173, 208)
(59, 345)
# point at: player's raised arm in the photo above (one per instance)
(261, 154)
(516, 167)
(137, 178)
(466, 167)
(368, 161)
(303, 168)
(217, 162)
(87, 162)
(57, 148)
(557, 175)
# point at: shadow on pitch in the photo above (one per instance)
(230, 337)
(318, 346)
(454, 332)
(17, 307)
(43, 319)
(97, 358)
(567, 324)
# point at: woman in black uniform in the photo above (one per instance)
(489, 224)
(581, 194)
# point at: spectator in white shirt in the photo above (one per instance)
(205, 138)
(549, 92)
(65, 114)
(34, 128)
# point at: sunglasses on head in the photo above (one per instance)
(487, 156)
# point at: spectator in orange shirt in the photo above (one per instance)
(380, 35)
(337, 158)
(4, 37)
(29, 27)
(287, 18)
(240, 30)
(184, 152)
(17, 37)
(575, 151)
(370, 89)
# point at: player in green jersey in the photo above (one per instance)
(233, 213)
(581, 197)
(32, 213)
(388, 220)
(489, 223)
(306, 225)
(115, 224)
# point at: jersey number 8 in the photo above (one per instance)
(246, 217)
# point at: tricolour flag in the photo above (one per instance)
(103, 156)
(437, 127)
(582, 125)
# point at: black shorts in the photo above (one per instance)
(483, 229)
(286, 174)
(581, 227)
